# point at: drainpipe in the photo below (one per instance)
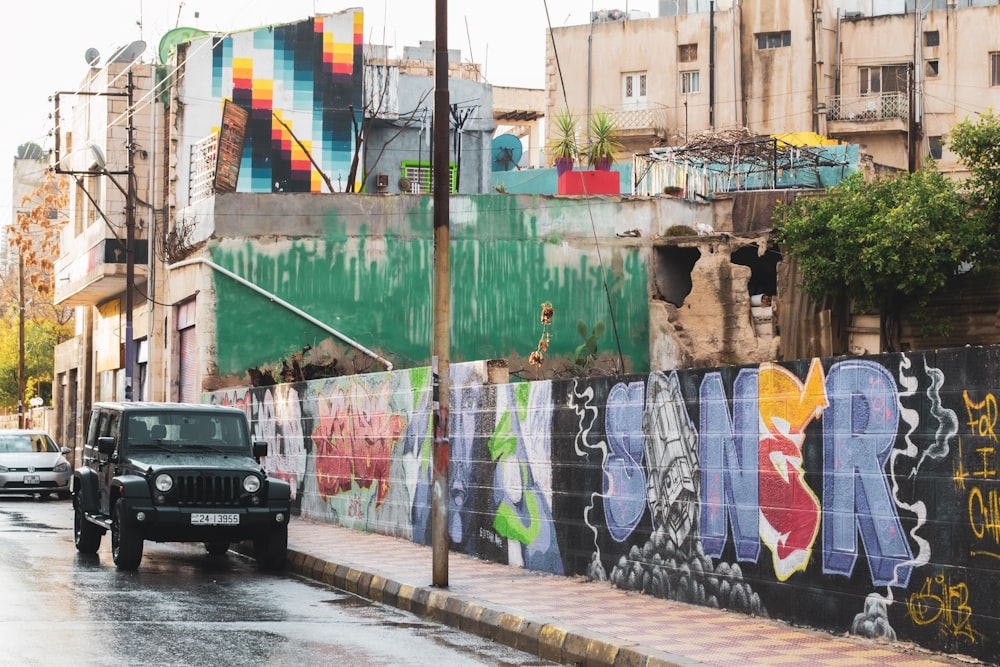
(281, 302)
(711, 65)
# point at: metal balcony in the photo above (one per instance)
(870, 108)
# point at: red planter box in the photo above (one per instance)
(590, 182)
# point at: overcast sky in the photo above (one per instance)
(45, 42)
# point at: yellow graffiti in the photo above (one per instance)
(784, 397)
(984, 513)
(984, 424)
(961, 474)
(940, 601)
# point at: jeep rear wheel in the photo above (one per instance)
(86, 535)
(269, 549)
(126, 542)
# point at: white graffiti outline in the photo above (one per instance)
(587, 414)
(946, 419)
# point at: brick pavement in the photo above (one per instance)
(572, 620)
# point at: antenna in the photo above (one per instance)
(92, 56)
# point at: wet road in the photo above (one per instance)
(184, 607)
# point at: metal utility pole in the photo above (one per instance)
(442, 305)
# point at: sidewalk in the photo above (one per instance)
(571, 620)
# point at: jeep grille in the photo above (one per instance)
(201, 489)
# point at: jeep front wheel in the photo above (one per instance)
(269, 549)
(217, 548)
(86, 535)
(126, 542)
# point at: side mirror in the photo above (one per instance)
(65, 450)
(259, 450)
(106, 445)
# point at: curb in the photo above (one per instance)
(543, 638)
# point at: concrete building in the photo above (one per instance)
(151, 149)
(890, 75)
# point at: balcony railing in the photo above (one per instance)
(639, 119)
(883, 106)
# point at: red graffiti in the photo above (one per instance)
(789, 508)
(354, 440)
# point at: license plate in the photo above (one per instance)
(215, 519)
(31, 479)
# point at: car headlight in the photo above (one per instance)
(62, 466)
(164, 482)
(4, 469)
(251, 484)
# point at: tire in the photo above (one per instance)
(126, 541)
(217, 548)
(64, 495)
(86, 535)
(270, 548)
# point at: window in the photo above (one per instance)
(932, 38)
(931, 68)
(774, 40)
(687, 53)
(691, 81)
(935, 144)
(995, 68)
(634, 90)
(887, 79)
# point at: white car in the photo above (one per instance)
(31, 462)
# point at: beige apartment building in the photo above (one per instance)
(890, 75)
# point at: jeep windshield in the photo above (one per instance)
(189, 431)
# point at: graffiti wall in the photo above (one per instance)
(850, 494)
(302, 86)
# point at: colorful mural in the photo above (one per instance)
(850, 494)
(302, 86)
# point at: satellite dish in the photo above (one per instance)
(506, 152)
(99, 161)
(92, 56)
(129, 53)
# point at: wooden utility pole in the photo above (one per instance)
(442, 298)
(129, 244)
(20, 335)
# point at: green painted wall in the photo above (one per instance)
(371, 279)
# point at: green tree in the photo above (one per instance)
(28, 284)
(41, 335)
(978, 147)
(884, 244)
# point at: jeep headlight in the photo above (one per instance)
(251, 484)
(163, 482)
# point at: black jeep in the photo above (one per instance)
(172, 472)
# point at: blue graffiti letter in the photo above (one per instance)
(859, 428)
(728, 459)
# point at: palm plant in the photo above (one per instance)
(564, 144)
(604, 144)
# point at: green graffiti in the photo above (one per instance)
(507, 523)
(372, 280)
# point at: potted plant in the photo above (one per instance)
(564, 145)
(604, 144)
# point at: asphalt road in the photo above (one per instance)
(185, 607)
